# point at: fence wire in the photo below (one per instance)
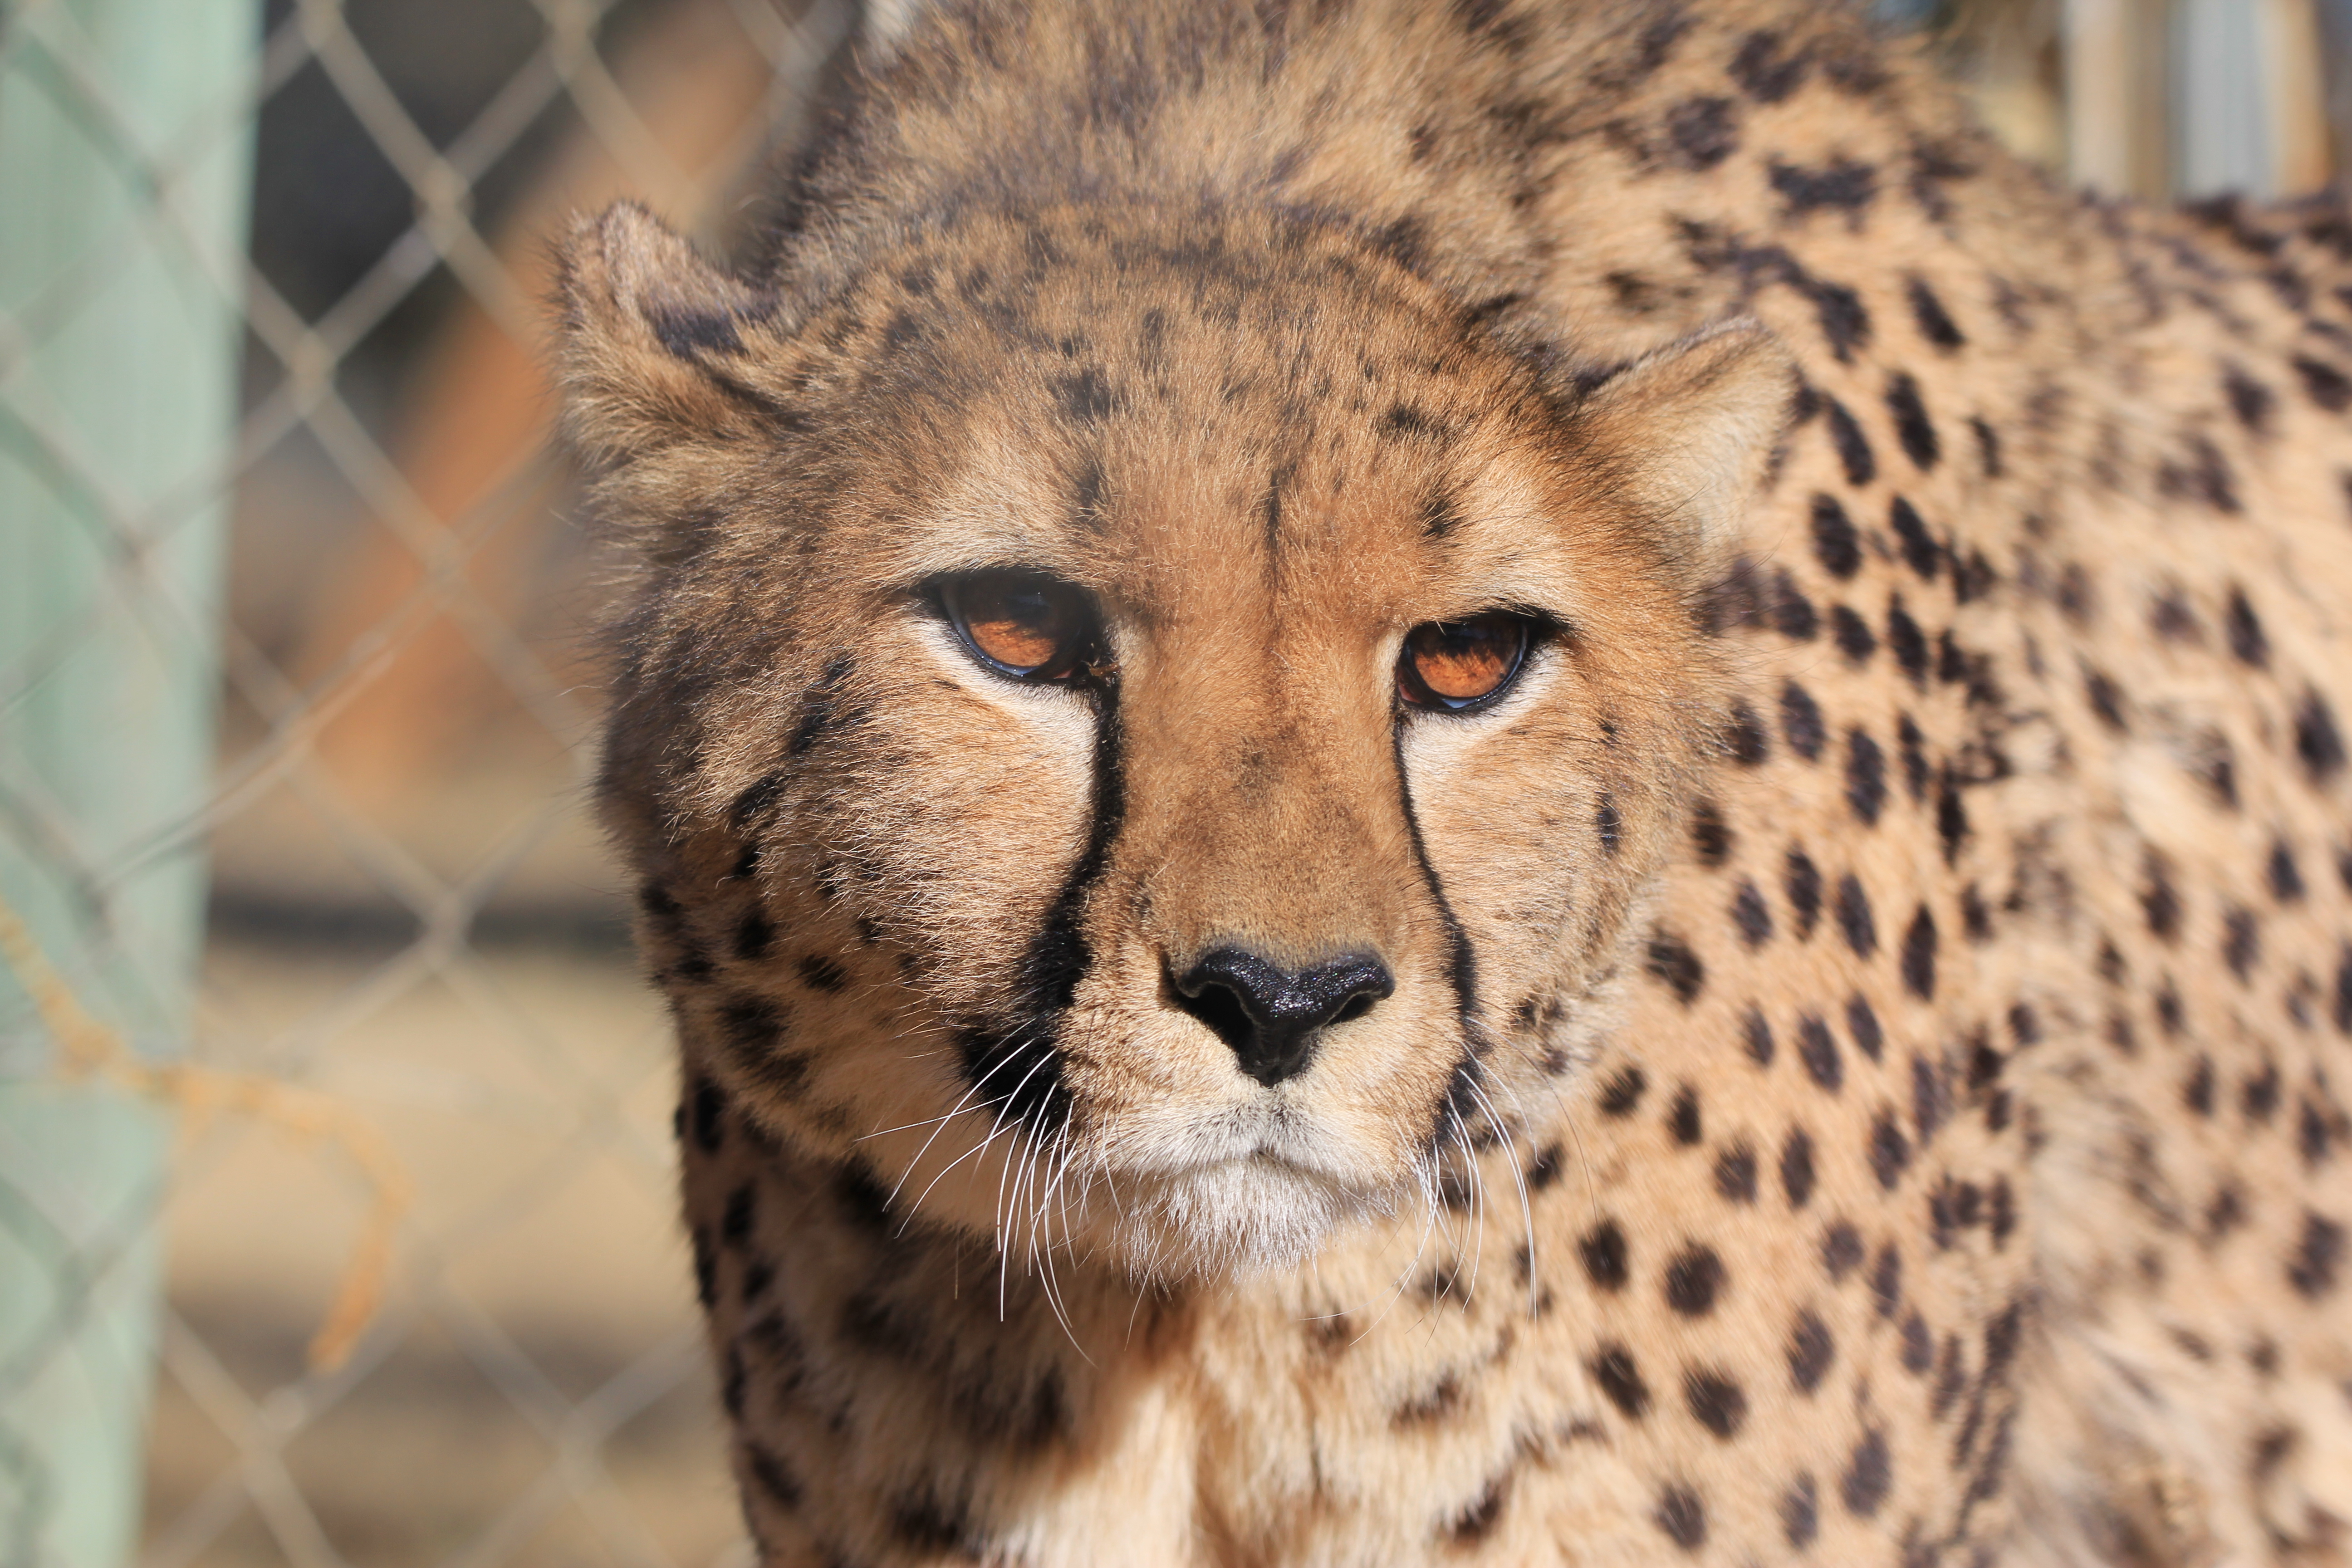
(409, 917)
(415, 1007)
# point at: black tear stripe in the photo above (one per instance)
(1462, 1099)
(1016, 1067)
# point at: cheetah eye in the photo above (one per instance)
(1455, 666)
(1023, 624)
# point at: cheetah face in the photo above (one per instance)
(1159, 725)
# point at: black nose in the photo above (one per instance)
(1269, 1015)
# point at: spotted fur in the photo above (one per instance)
(1867, 1075)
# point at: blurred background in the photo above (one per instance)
(313, 953)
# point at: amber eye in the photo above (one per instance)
(1454, 665)
(1022, 624)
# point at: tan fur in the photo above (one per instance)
(1863, 1079)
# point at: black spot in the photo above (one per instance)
(1910, 646)
(774, 1478)
(1800, 721)
(2173, 621)
(2247, 639)
(1817, 1049)
(1797, 1167)
(1840, 184)
(1682, 1116)
(2317, 739)
(1604, 1251)
(1735, 1173)
(1710, 835)
(1861, 1022)
(822, 974)
(1622, 1092)
(2312, 1132)
(1853, 447)
(2158, 901)
(684, 333)
(1890, 1150)
(1801, 881)
(1750, 915)
(2106, 698)
(1841, 1250)
(1478, 1521)
(1987, 448)
(861, 1199)
(1919, 955)
(1694, 1279)
(1853, 918)
(1810, 1352)
(1705, 131)
(1920, 551)
(1084, 398)
(735, 1220)
(1886, 1281)
(1671, 961)
(1607, 825)
(2196, 1091)
(1852, 635)
(734, 1381)
(1614, 1370)
(2285, 876)
(1866, 778)
(2240, 945)
(1918, 1346)
(1935, 324)
(752, 1029)
(1404, 419)
(753, 934)
(2318, 1255)
(927, 1524)
(1745, 737)
(2327, 386)
(709, 1116)
(2249, 400)
(1682, 1516)
(1836, 545)
(706, 1268)
(1757, 1031)
(1764, 72)
(1438, 517)
(1792, 614)
(1868, 1474)
(1716, 1402)
(1930, 1097)
(2258, 1096)
(2201, 474)
(1801, 1513)
(1912, 426)
(1544, 1169)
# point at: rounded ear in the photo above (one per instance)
(1693, 425)
(657, 345)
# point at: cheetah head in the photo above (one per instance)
(1143, 734)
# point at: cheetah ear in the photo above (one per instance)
(1691, 427)
(657, 345)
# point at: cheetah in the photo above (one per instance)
(1515, 781)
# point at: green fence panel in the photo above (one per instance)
(125, 161)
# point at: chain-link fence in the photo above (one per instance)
(291, 609)
(310, 947)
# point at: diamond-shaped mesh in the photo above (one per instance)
(415, 1007)
(408, 1087)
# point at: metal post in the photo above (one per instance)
(125, 158)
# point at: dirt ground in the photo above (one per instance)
(533, 1392)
